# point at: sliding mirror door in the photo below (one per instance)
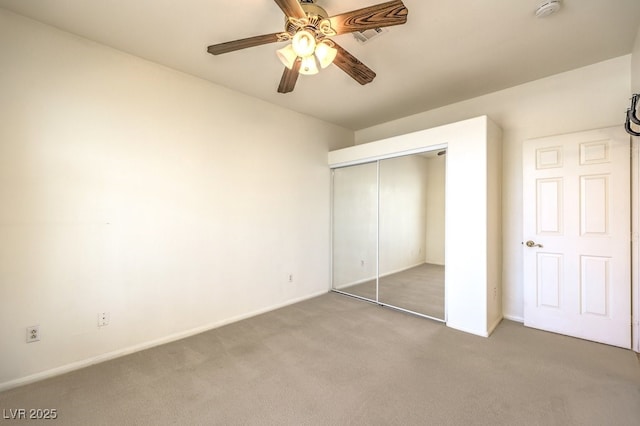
(411, 233)
(355, 224)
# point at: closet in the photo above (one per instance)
(388, 232)
(388, 221)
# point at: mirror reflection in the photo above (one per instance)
(388, 232)
(412, 233)
(355, 223)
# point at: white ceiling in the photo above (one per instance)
(448, 51)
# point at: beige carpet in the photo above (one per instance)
(334, 360)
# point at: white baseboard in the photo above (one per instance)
(481, 333)
(514, 318)
(145, 345)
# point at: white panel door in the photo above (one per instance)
(577, 272)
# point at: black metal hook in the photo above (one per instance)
(633, 111)
(627, 125)
(632, 116)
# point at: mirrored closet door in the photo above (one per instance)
(355, 223)
(388, 232)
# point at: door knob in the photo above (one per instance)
(533, 244)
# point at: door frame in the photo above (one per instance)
(635, 244)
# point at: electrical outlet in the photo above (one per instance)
(290, 277)
(33, 333)
(103, 319)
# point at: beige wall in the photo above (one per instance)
(586, 98)
(635, 65)
(434, 246)
(129, 188)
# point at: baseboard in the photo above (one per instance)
(514, 318)
(67, 368)
(481, 333)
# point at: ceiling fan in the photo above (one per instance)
(308, 28)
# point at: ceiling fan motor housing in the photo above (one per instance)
(314, 9)
(315, 15)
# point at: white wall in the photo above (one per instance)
(586, 98)
(174, 204)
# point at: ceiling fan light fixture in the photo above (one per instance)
(325, 53)
(309, 66)
(287, 56)
(304, 43)
(326, 29)
(307, 27)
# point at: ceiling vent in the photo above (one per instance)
(366, 35)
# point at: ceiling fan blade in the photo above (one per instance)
(289, 78)
(230, 46)
(291, 8)
(381, 15)
(352, 66)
